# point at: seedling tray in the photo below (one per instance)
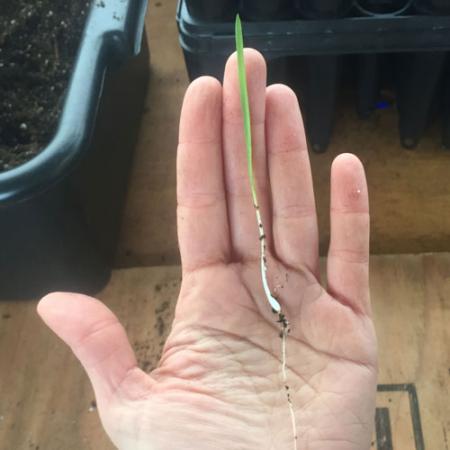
(314, 37)
(60, 211)
(321, 46)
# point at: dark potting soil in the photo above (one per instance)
(38, 43)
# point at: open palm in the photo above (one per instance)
(218, 384)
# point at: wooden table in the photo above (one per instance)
(46, 399)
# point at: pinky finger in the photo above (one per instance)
(348, 257)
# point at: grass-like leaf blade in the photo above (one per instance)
(245, 105)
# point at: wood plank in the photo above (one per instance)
(149, 225)
(410, 296)
(409, 190)
(45, 397)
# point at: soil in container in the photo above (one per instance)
(38, 43)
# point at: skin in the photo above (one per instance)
(218, 384)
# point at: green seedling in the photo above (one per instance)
(248, 144)
(273, 302)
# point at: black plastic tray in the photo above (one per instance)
(349, 35)
(59, 212)
(309, 54)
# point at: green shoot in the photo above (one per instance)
(273, 302)
(248, 144)
(245, 107)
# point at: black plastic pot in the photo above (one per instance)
(350, 35)
(446, 107)
(418, 77)
(59, 212)
(323, 9)
(432, 6)
(266, 9)
(376, 7)
(212, 10)
(368, 84)
(417, 95)
(316, 49)
(317, 87)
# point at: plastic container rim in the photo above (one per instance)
(112, 33)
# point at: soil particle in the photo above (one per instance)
(39, 40)
(149, 348)
(92, 406)
(160, 325)
(6, 316)
(163, 307)
(282, 319)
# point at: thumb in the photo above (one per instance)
(99, 341)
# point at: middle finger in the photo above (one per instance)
(243, 225)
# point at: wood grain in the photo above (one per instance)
(45, 397)
(411, 300)
(149, 227)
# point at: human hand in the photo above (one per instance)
(218, 384)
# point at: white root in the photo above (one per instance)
(262, 238)
(276, 307)
(286, 386)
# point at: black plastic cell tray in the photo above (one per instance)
(60, 212)
(382, 34)
(310, 56)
